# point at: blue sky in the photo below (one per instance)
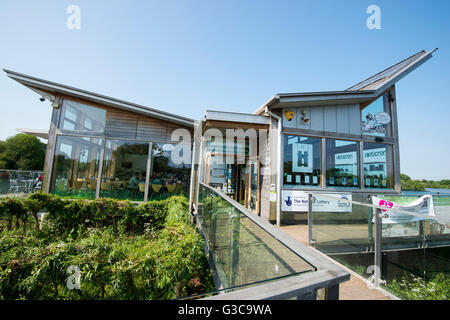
(188, 56)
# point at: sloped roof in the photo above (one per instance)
(365, 90)
(35, 84)
(35, 132)
(393, 73)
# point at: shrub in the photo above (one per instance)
(110, 243)
(415, 288)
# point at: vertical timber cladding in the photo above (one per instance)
(343, 118)
(129, 125)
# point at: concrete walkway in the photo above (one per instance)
(354, 289)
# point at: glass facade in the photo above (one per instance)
(166, 176)
(80, 117)
(378, 166)
(75, 166)
(79, 151)
(342, 159)
(376, 118)
(302, 158)
(124, 170)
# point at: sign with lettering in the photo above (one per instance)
(423, 206)
(297, 201)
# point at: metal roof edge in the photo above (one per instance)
(400, 73)
(29, 81)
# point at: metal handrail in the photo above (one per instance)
(327, 275)
(369, 205)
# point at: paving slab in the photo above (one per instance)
(355, 288)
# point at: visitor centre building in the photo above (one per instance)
(340, 142)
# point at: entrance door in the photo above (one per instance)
(239, 181)
(253, 186)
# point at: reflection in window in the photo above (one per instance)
(342, 164)
(378, 166)
(75, 168)
(124, 170)
(77, 116)
(375, 118)
(301, 161)
(166, 177)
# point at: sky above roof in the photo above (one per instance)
(185, 57)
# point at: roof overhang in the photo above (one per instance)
(236, 120)
(236, 117)
(34, 132)
(51, 89)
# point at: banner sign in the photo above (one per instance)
(298, 201)
(423, 205)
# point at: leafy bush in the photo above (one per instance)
(415, 288)
(123, 251)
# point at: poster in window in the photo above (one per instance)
(302, 158)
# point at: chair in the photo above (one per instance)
(171, 187)
(156, 187)
(14, 186)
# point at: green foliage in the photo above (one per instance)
(149, 251)
(415, 288)
(420, 185)
(22, 152)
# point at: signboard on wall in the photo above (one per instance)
(302, 158)
(297, 201)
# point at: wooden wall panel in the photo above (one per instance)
(342, 119)
(300, 123)
(121, 124)
(329, 114)
(317, 118)
(150, 128)
(354, 119)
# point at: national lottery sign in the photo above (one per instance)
(297, 201)
(423, 205)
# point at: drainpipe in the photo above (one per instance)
(280, 169)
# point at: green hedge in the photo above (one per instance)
(68, 216)
(148, 251)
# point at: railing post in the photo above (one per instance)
(332, 293)
(235, 234)
(377, 247)
(310, 219)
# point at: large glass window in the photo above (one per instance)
(80, 117)
(342, 163)
(124, 170)
(376, 118)
(301, 161)
(378, 166)
(167, 176)
(75, 169)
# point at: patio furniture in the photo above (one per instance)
(14, 186)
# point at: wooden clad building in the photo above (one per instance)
(343, 142)
(104, 147)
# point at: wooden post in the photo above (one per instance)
(332, 293)
(147, 175)
(100, 169)
(50, 151)
(310, 221)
